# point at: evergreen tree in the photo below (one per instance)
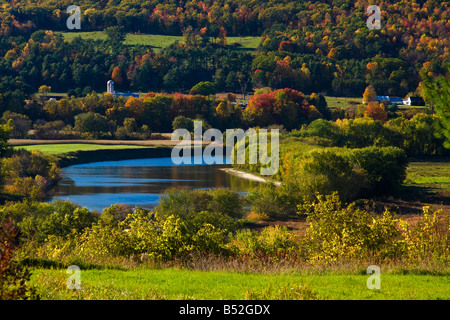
(437, 91)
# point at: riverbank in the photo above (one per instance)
(249, 176)
(88, 156)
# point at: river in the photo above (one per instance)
(139, 182)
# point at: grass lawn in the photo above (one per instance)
(64, 148)
(158, 41)
(175, 284)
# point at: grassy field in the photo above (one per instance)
(342, 102)
(191, 284)
(64, 148)
(157, 42)
(348, 102)
(433, 175)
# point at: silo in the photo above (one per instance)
(110, 87)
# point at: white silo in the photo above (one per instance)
(110, 87)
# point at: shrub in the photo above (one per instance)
(429, 238)
(273, 201)
(384, 167)
(219, 207)
(20, 123)
(275, 241)
(204, 88)
(13, 276)
(49, 130)
(91, 125)
(340, 233)
(181, 122)
(39, 220)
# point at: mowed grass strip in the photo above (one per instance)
(173, 284)
(65, 148)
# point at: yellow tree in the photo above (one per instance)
(369, 94)
(117, 76)
(135, 107)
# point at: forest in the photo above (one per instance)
(308, 46)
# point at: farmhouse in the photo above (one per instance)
(414, 101)
(411, 101)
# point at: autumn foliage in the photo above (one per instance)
(376, 110)
(13, 276)
(287, 107)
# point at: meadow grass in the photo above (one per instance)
(342, 102)
(347, 102)
(65, 148)
(173, 284)
(157, 42)
(429, 174)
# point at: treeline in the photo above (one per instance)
(105, 116)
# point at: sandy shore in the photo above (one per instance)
(249, 176)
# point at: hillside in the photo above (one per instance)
(308, 46)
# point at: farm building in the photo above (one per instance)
(414, 101)
(110, 89)
(411, 101)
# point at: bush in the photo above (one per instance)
(218, 207)
(181, 122)
(30, 174)
(20, 123)
(273, 201)
(13, 276)
(275, 241)
(343, 233)
(429, 239)
(384, 167)
(49, 130)
(39, 220)
(92, 125)
(204, 88)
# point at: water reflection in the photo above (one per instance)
(139, 182)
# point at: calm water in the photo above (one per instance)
(139, 182)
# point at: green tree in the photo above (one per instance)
(204, 88)
(437, 91)
(115, 35)
(181, 122)
(91, 124)
(21, 124)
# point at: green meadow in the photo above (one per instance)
(157, 42)
(434, 175)
(173, 284)
(72, 147)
